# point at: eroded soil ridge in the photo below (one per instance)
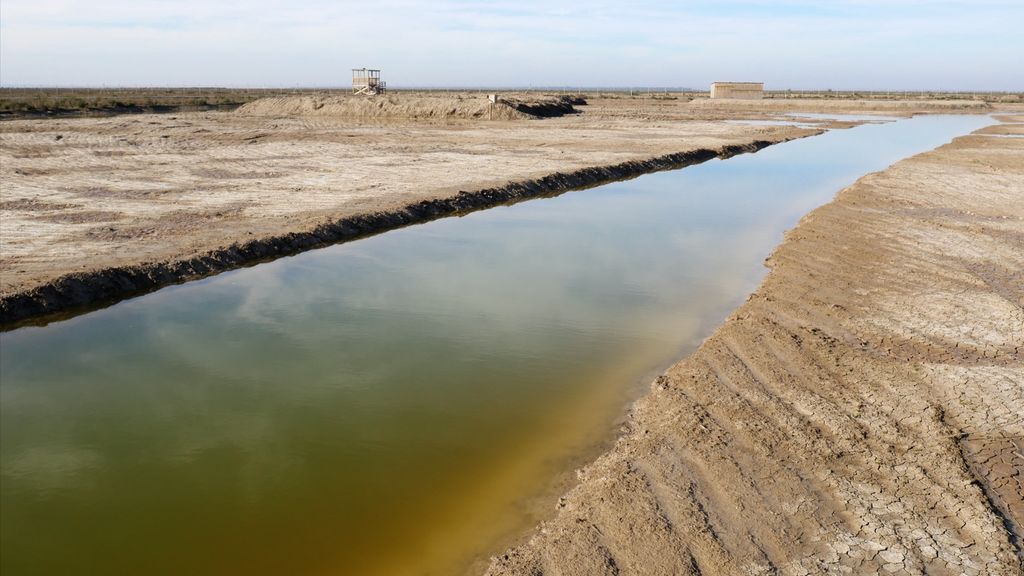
(415, 107)
(77, 292)
(861, 413)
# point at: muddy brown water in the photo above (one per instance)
(404, 404)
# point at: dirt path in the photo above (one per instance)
(862, 413)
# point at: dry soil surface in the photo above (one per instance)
(82, 197)
(861, 413)
(87, 194)
(408, 106)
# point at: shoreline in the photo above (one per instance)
(860, 412)
(99, 209)
(76, 293)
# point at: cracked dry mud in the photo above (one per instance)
(110, 198)
(861, 413)
(88, 194)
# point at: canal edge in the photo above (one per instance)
(81, 292)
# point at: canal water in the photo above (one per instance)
(401, 404)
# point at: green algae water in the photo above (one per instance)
(397, 405)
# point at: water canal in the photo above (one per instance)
(395, 405)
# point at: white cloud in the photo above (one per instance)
(797, 43)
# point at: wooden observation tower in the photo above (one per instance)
(366, 81)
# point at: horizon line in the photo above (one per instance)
(580, 88)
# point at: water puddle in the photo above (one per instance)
(398, 404)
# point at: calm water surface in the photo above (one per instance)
(393, 405)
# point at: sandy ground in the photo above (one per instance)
(84, 195)
(861, 413)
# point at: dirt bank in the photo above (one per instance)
(79, 291)
(850, 106)
(863, 412)
(96, 209)
(406, 106)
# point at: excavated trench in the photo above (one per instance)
(81, 292)
(408, 403)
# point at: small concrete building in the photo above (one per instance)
(737, 90)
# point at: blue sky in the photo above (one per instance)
(842, 44)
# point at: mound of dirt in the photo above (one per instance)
(547, 107)
(843, 105)
(403, 106)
